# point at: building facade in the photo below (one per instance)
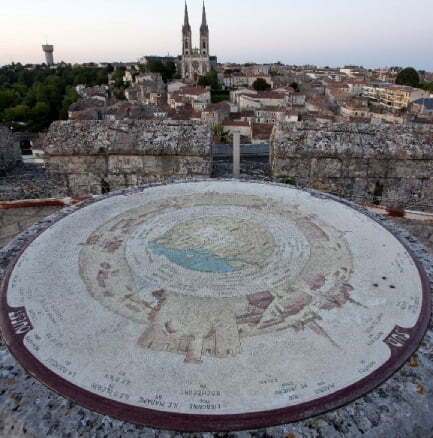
(195, 62)
(393, 97)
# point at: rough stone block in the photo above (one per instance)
(407, 192)
(116, 182)
(126, 164)
(77, 164)
(378, 168)
(132, 137)
(84, 184)
(410, 169)
(325, 168)
(10, 152)
(355, 168)
(295, 167)
(329, 185)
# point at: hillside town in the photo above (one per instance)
(260, 96)
(252, 98)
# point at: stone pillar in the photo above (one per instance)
(236, 155)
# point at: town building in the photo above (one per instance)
(393, 97)
(197, 97)
(216, 113)
(146, 59)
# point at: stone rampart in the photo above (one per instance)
(100, 156)
(10, 153)
(390, 165)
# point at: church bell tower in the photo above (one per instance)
(186, 35)
(204, 34)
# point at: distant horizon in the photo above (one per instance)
(303, 32)
(229, 62)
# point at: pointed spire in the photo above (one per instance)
(203, 20)
(186, 22)
(203, 27)
(186, 27)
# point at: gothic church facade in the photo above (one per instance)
(195, 62)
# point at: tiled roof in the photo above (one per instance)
(217, 106)
(270, 95)
(235, 123)
(194, 91)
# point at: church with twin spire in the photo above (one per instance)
(195, 62)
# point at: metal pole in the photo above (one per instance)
(237, 155)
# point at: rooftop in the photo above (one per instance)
(426, 102)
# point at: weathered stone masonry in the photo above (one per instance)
(389, 165)
(10, 153)
(100, 156)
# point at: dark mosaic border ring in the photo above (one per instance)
(189, 422)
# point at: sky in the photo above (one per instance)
(372, 33)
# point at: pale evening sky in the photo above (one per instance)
(323, 32)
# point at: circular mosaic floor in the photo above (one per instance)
(214, 305)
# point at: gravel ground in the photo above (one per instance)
(30, 181)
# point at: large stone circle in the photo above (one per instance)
(214, 305)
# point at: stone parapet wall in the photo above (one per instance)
(10, 153)
(99, 156)
(390, 165)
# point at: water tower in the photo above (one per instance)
(48, 50)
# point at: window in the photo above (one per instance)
(204, 44)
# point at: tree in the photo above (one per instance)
(18, 113)
(260, 84)
(427, 86)
(295, 86)
(40, 115)
(70, 97)
(218, 131)
(7, 99)
(119, 93)
(36, 96)
(118, 77)
(409, 76)
(209, 80)
(167, 69)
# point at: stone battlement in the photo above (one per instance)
(392, 165)
(10, 153)
(98, 156)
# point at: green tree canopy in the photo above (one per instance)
(260, 84)
(209, 80)
(167, 69)
(35, 96)
(40, 115)
(18, 113)
(218, 131)
(428, 86)
(295, 86)
(7, 99)
(409, 76)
